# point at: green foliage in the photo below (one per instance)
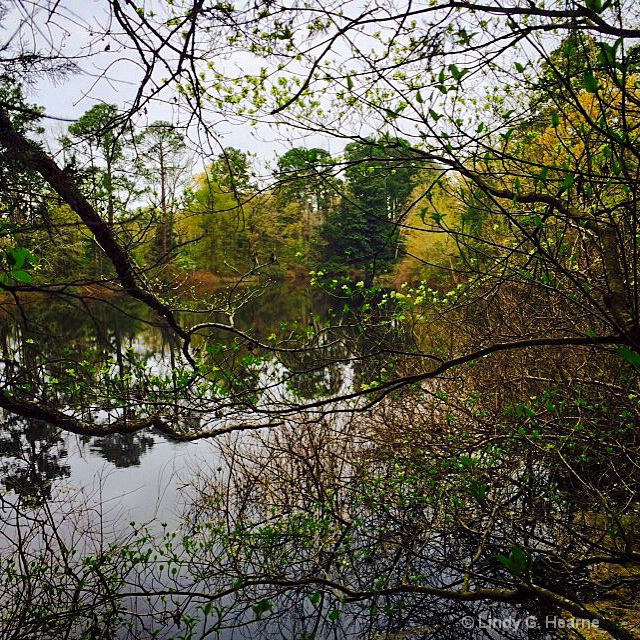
(214, 221)
(630, 356)
(518, 562)
(305, 176)
(18, 260)
(22, 193)
(590, 82)
(160, 164)
(261, 607)
(362, 232)
(233, 172)
(97, 149)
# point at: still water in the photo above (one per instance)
(141, 472)
(238, 506)
(85, 492)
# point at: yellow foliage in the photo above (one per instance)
(430, 209)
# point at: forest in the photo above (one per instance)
(320, 321)
(343, 215)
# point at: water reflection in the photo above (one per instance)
(325, 529)
(328, 528)
(32, 456)
(122, 450)
(111, 361)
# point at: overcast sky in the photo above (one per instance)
(111, 76)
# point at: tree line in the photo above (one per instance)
(334, 214)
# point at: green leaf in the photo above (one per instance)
(569, 49)
(22, 276)
(456, 73)
(262, 606)
(19, 256)
(519, 67)
(568, 182)
(555, 120)
(598, 5)
(524, 410)
(478, 490)
(517, 562)
(543, 174)
(436, 116)
(518, 559)
(590, 82)
(506, 136)
(630, 356)
(607, 54)
(334, 614)
(419, 97)
(350, 82)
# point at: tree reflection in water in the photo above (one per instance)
(326, 537)
(364, 528)
(443, 502)
(32, 457)
(123, 450)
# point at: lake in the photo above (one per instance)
(140, 535)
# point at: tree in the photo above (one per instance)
(24, 202)
(232, 170)
(305, 176)
(416, 86)
(364, 229)
(21, 191)
(213, 220)
(95, 150)
(160, 160)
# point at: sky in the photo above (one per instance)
(107, 73)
